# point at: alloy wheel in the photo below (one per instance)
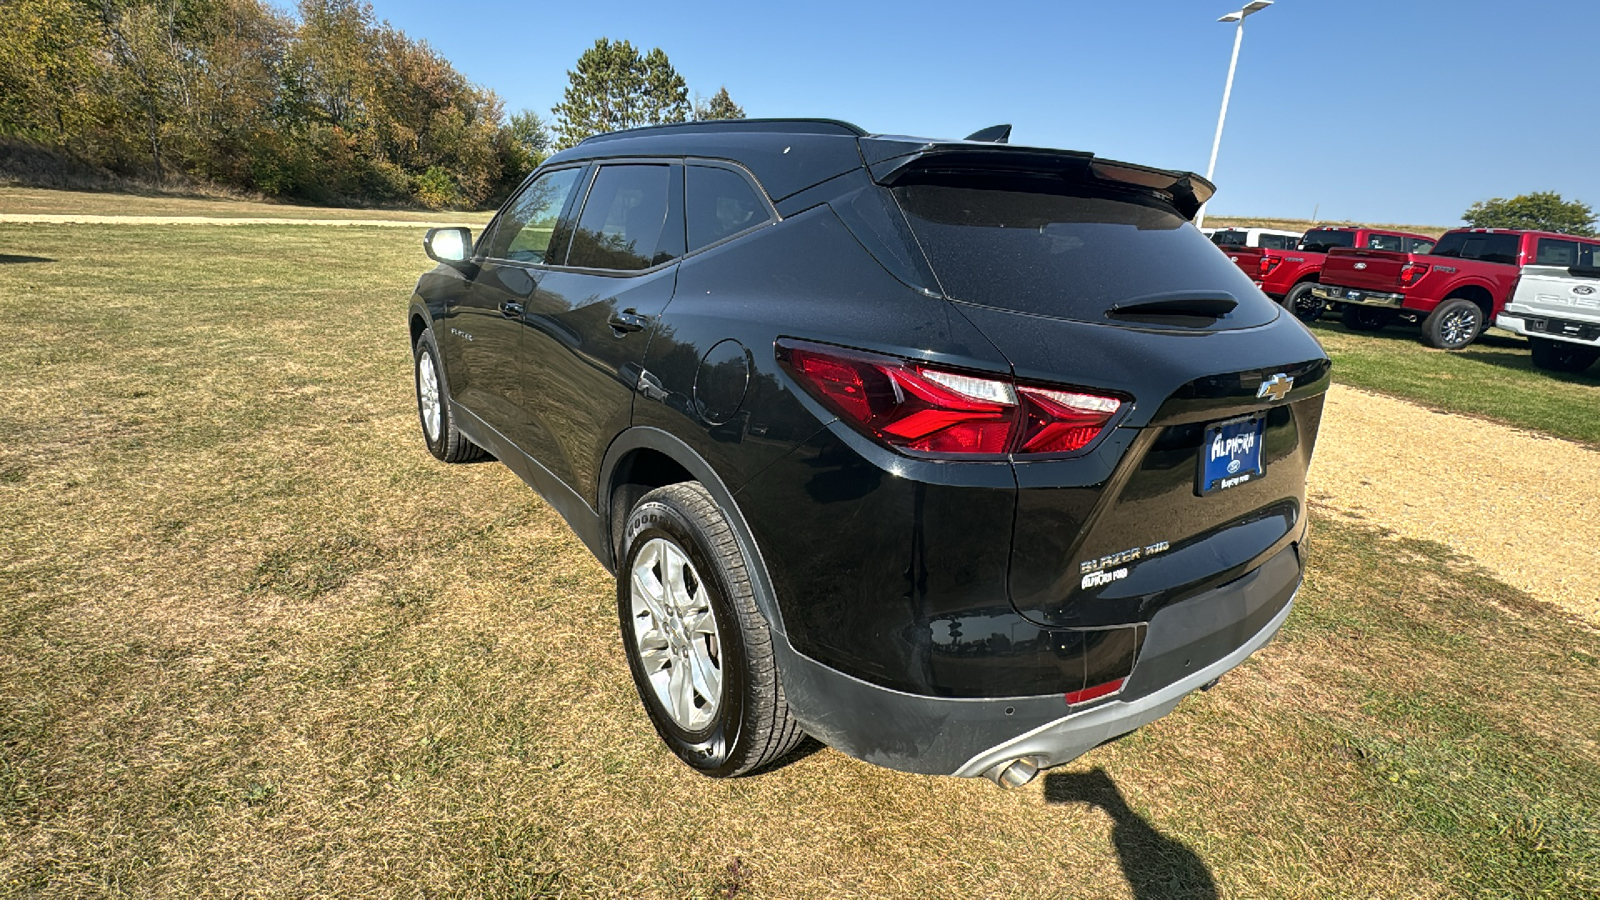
(675, 634)
(1459, 326)
(428, 395)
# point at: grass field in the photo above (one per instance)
(255, 641)
(1494, 378)
(97, 203)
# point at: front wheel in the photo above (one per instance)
(444, 441)
(699, 650)
(1453, 324)
(1562, 356)
(1364, 318)
(1306, 306)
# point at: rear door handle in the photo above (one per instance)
(626, 321)
(510, 310)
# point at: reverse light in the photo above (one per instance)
(935, 411)
(1412, 272)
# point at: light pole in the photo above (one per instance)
(1254, 6)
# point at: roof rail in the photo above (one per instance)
(714, 126)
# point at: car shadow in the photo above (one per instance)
(13, 258)
(1154, 864)
(1525, 364)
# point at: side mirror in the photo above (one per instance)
(451, 246)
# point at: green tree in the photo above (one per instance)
(529, 134)
(613, 88)
(1541, 211)
(720, 106)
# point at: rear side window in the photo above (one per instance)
(625, 224)
(720, 203)
(1497, 248)
(1278, 242)
(523, 232)
(1418, 245)
(1230, 237)
(1323, 241)
(1552, 252)
(1042, 247)
(1383, 242)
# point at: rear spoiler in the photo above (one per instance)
(891, 159)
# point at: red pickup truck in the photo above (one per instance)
(1289, 275)
(1455, 291)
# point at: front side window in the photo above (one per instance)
(625, 223)
(523, 232)
(1383, 242)
(720, 204)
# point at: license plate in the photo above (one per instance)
(1231, 454)
(1353, 295)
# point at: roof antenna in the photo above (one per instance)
(994, 134)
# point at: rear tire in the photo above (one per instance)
(1306, 307)
(439, 431)
(1364, 318)
(1561, 356)
(699, 650)
(1453, 324)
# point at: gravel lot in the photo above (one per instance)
(1524, 505)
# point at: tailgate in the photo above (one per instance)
(1248, 259)
(1374, 270)
(1557, 292)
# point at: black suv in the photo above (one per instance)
(961, 457)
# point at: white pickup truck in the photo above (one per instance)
(1558, 309)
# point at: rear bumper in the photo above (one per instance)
(1528, 323)
(1189, 645)
(1336, 294)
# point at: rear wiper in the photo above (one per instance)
(1211, 304)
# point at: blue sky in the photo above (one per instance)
(1401, 111)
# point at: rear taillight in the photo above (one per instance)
(937, 411)
(1094, 693)
(1267, 264)
(1412, 272)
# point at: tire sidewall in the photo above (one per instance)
(710, 750)
(1298, 294)
(427, 346)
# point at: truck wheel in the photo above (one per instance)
(1561, 356)
(1453, 324)
(433, 406)
(1306, 307)
(1364, 318)
(699, 650)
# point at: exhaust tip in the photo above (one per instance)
(1014, 774)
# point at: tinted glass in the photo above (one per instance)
(720, 203)
(523, 231)
(1230, 237)
(1556, 253)
(1418, 245)
(1589, 257)
(1499, 248)
(1050, 251)
(1278, 242)
(624, 220)
(1319, 241)
(1384, 242)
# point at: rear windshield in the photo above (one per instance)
(1323, 241)
(1496, 248)
(1051, 248)
(1278, 242)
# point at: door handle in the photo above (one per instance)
(510, 310)
(626, 321)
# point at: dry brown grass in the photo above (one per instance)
(254, 641)
(1304, 224)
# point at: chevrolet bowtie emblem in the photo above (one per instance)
(1277, 387)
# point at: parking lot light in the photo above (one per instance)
(1254, 6)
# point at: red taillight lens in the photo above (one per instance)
(1267, 264)
(1411, 273)
(935, 411)
(1091, 693)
